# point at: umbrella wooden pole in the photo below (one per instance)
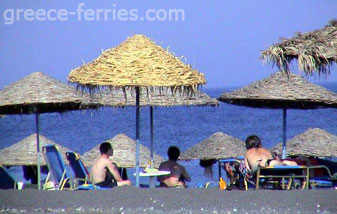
(38, 151)
(284, 144)
(137, 135)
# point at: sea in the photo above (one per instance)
(183, 126)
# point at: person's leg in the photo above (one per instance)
(124, 183)
(289, 163)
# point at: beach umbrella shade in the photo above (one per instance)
(218, 146)
(35, 94)
(138, 64)
(282, 91)
(314, 51)
(124, 149)
(313, 142)
(24, 152)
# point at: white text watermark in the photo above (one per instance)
(81, 13)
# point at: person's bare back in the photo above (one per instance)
(256, 157)
(103, 172)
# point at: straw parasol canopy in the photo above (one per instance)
(155, 98)
(137, 62)
(38, 92)
(312, 142)
(24, 152)
(218, 146)
(314, 51)
(282, 91)
(124, 149)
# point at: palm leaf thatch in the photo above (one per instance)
(137, 62)
(314, 51)
(282, 91)
(154, 98)
(313, 142)
(218, 146)
(38, 93)
(24, 152)
(124, 150)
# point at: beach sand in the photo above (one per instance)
(135, 200)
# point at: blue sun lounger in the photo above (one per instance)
(6, 180)
(81, 172)
(325, 181)
(57, 172)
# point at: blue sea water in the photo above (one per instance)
(181, 126)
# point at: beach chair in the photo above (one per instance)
(236, 179)
(81, 172)
(325, 181)
(282, 176)
(57, 177)
(6, 180)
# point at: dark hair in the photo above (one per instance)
(253, 141)
(105, 147)
(173, 153)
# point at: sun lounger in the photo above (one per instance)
(282, 174)
(325, 181)
(81, 172)
(57, 175)
(6, 180)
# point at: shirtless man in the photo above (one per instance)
(103, 172)
(178, 174)
(256, 156)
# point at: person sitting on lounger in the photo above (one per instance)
(178, 174)
(104, 173)
(256, 156)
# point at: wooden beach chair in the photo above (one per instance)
(57, 175)
(6, 180)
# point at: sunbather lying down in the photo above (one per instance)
(255, 156)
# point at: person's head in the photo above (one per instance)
(253, 141)
(173, 153)
(106, 148)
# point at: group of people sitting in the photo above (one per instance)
(104, 173)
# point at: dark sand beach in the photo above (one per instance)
(136, 200)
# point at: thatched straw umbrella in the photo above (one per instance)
(124, 149)
(137, 64)
(314, 51)
(312, 142)
(36, 94)
(218, 146)
(282, 91)
(23, 153)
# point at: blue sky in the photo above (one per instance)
(222, 39)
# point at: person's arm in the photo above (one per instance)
(160, 178)
(114, 171)
(185, 174)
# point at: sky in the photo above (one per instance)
(222, 39)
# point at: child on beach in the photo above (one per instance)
(104, 173)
